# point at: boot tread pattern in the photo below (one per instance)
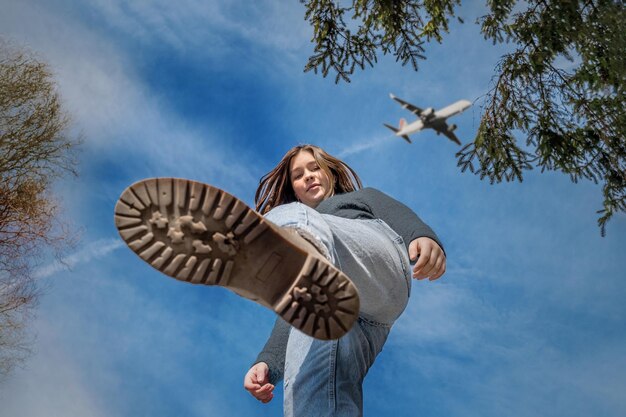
(193, 232)
(164, 221)
(322, 303)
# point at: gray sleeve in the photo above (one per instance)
(398, 216)
(273, 353)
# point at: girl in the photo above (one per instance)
(331, 258)
(366, 232)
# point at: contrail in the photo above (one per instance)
(93, 250)
(363, 146)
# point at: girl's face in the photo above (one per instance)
(309, 181)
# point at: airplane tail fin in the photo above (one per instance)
(397, 129)
(405, 137)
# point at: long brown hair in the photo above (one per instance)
(275, 186)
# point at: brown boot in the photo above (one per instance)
(198, 233)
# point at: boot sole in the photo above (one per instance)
(203, 235)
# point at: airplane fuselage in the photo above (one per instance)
(437, 123)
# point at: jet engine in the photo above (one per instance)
(428, 113)
(451, 128)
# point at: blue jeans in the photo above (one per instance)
(324, 378)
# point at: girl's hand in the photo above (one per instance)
(257, 383)
(431, 261)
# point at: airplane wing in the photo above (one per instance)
(405, 105)
(451, 136)
(453, 109)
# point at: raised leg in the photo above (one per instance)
(368, 251)
(202, 235)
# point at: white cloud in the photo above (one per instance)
(112, 107)
(52, 384)
(202, 26)
(539, 380)
(445, 314)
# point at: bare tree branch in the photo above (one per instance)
(35, 149)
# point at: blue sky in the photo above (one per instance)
(528, 321)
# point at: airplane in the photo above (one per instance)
(428, 118)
